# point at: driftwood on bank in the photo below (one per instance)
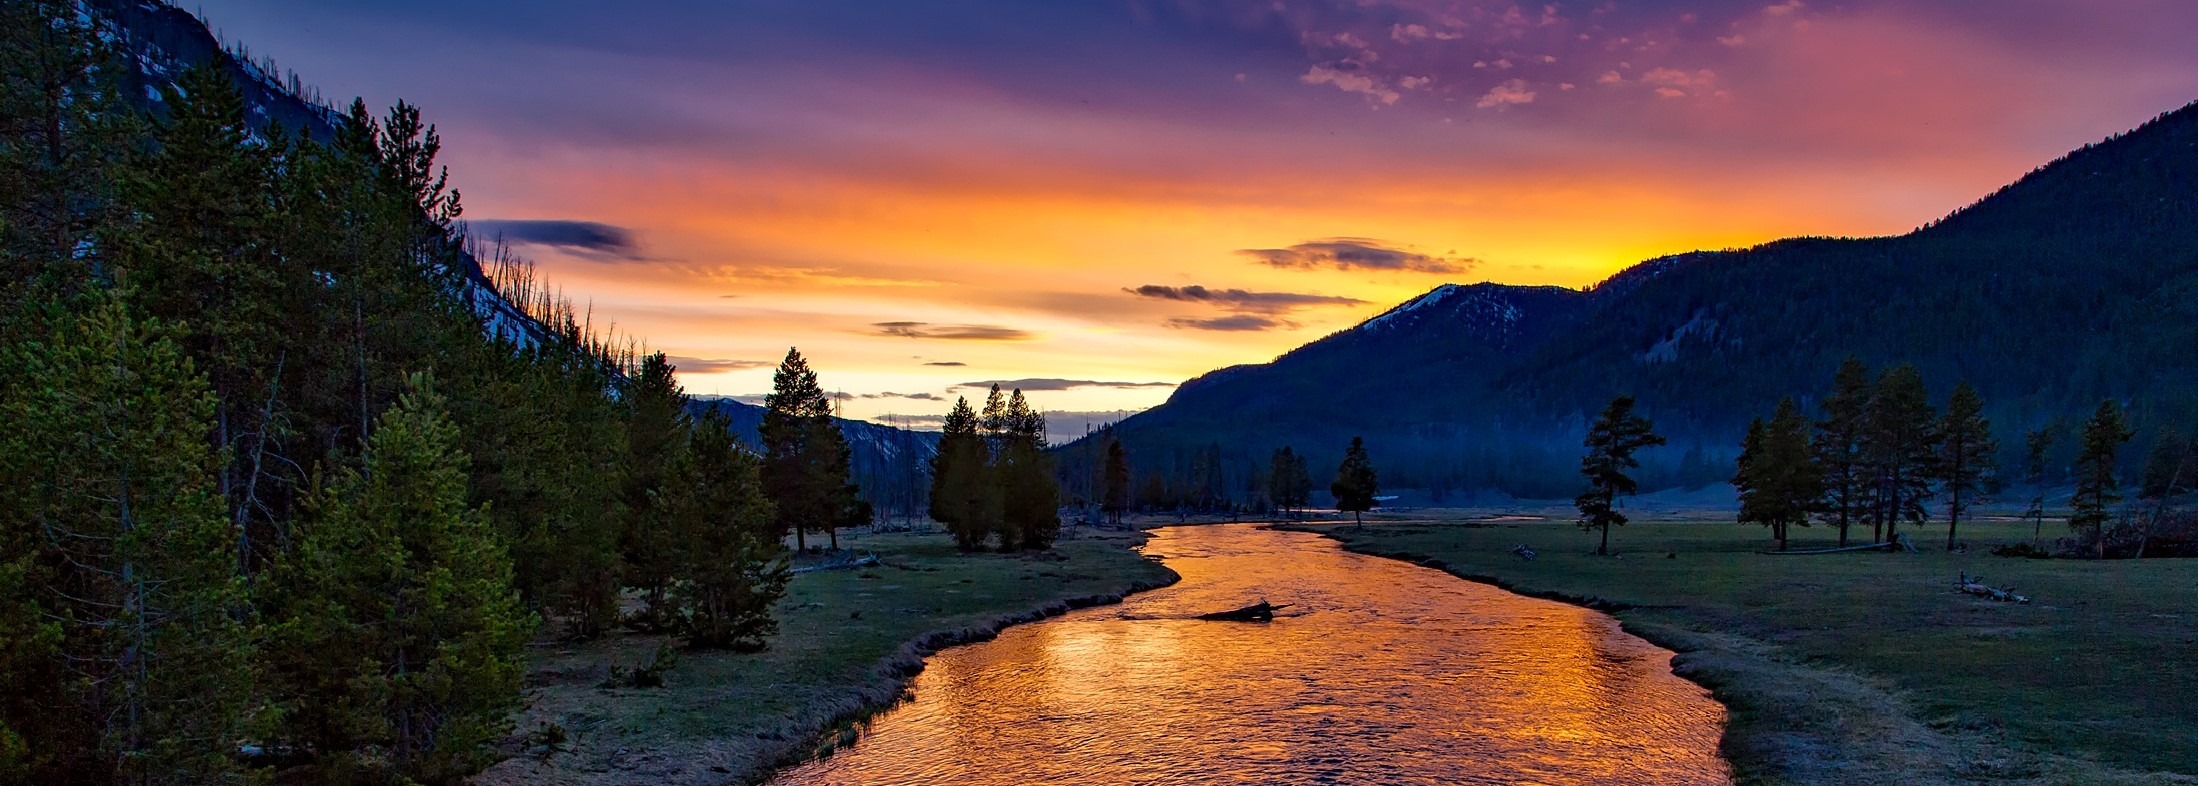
(1974, 585)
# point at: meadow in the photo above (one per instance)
(849, 639)
(1869, 667)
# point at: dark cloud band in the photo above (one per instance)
(587, 238)
(1356, 253)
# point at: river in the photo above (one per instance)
(1381, 672)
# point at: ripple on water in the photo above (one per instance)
(1390, 673)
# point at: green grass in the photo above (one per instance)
(847, 642)
(2095, 680)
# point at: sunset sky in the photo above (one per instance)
(1104, 198)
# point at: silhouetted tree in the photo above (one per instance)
(1030, 494)
(1611, 443)
(1966, 450)
(2098, 482)
(1779, 482)
(959, 487)
(1117, 497)
(1901, 442)
(1355, 484)
(1839, 447)
(1288, 482)
(2035, 444)
(805, 458)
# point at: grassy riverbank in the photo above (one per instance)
(1867, 668)
(848, 642)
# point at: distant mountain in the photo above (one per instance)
(2076, 283)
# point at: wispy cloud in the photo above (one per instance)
(1242, 300)
(952, 332)
(1232, 322)
(948, 363)
(714, 365)
(589, 239)
(1356, 253)
(1059, 384)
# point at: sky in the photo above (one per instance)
(1097, 200)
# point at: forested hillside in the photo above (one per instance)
(2075, 284)
(288, 479)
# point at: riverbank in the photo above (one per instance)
(1868, 668)
(849, 640)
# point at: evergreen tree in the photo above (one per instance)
(400, 640)
(657, 431)
(2098, 481)
(1966, 450)
(733, 565)
(1117, 482)
(1840, 449)
(2167, 470)
(958, 484)
(1030, 495)
(1779, 482)
(1611, 443)
(805, 458)
(1282, 480)
(1355, 484)
(2035, 444)
(1901, 442)
(133, 654)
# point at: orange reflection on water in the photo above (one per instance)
(1383, 673)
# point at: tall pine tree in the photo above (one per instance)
(1901, 443)
(1355, 484)
(1611, 442)
(2098, 474)
(958, 484)
(399, 637)
(1840, 450)
(805, 458)
(1966, 450)
(732, 564)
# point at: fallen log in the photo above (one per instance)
(1974, 585)
(1257, 612)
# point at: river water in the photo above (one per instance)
(1382, 672)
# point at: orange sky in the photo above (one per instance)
(987, 185)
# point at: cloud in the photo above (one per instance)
(954, 332)
(714, 365)
(1242, 300)
(952, 363)
(1356, 253)
(584, 238)
(1233, 322)
(910, 396)
(1351, 82)
(1510, 93)
(1030, 385)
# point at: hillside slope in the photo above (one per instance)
(2076, 283)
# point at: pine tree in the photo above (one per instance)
(1611, 443)
(2098, 481)
(2167, 470)
(1117, 498)
(1751, 479)
(1966, 449)
(805, 458)
(733, 565)
(1355, 484)
(958, 478)
(991, 506)
(1030, 494)
(1840, 449)
(2035, 444)
(131, 606)
(656, 433)
(1282, 479)
(1901, 441)
(400, 640)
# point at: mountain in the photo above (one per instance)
(159, 42)
(2076, 283)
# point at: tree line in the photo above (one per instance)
(1878, 453)
(992, 481)
(271, 495)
